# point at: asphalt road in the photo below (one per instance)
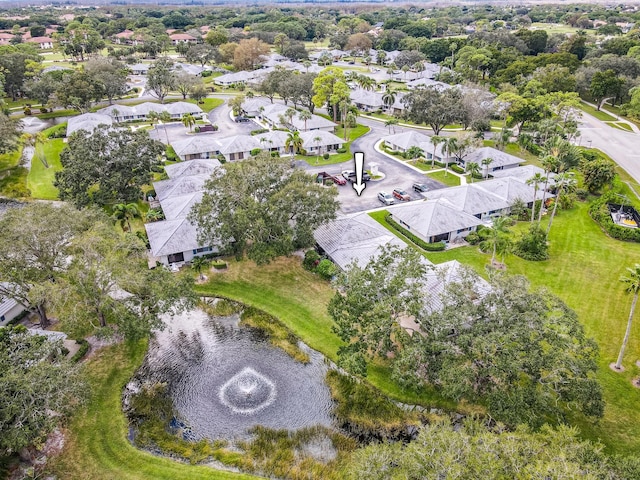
(623, 147)
(396, 174)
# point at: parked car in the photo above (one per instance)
(420, 187)
(386, 198)
(324, 177)
(242, 119)
(351, 176)
(401, 195)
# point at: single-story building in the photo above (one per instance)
(193, 167)
(522, 174)
(251, 106)
(320, 141)
(366, 100)
(45, 43)
(435, 220)
(196, 146)
(254, 76)
(9, 310)
(238, 147)
(189, 68)
(274, 116)
(423, 82)
(125, 113)
(273, 140)
(179, 186)
(354, 238)
(175, 241)
(140, 68)
(500, 160)
(402, 142)
(176, 38)
(88, 122)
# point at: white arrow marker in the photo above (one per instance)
(358, 185)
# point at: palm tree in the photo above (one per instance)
(450, 145)
(199, 264)
(317, 141)
(405, 69)
(153, 117)
(306, 64)
(474, 169)
(563, 181)
(550, 163)
(294, 142)
(165, 117)
(304, 115)
(188, 120)
(153, 215)
(391, 123)
(389, 98)
(496, 235)
(633, 286)
(290, 113)
(124, 213)
(414, 152)
(536, 181)
(262, 141)
(435, 141)
(485, 163)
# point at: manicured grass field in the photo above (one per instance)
(599, 114)
(96, 446)
(40, 179)
(353, 133)
(584, 270)
(299, 300)
(207, 104)
(448, 179)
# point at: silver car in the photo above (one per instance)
(386, 198)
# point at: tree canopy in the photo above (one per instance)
(263, 206)
(38, 387)
(107, 166)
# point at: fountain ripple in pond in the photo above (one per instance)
(247, 392)
(226, 379)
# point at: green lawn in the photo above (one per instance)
(620, 126)
(599, 114)
(40, 178)
(584, 270)
(448, 179)
(96, 445)
(334, 158)
(299, 299)
(10, 160)
(206, 105)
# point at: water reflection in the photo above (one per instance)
(225, 379)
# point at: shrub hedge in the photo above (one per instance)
(599, 211)
(430, 247)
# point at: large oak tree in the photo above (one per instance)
(107, 166)
(262, 206)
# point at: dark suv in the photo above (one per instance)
(351, 176)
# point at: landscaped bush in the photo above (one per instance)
(325, 156)
(82, 351)
(221, 158)
(255, 152)
(473, 238)
(206, 73)
(57, 131)
(311, 259)
(430, 247)
(27, 111)
(327, 269)
(457, 168)
(599, 211)
(259, 131)
(171, 154)
(275, 154)
(342, 150)
(582, 194)
(533, 245)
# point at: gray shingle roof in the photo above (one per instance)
(406, 140)
(522, 174)
(471, 198)
(356, 238)
(192, 167)
(433, 217)
(88, 122)
(500, 158)
(179, 206)
(196, 144)
(171, 236)
(179, 186)
(326, 138)
(238, 143)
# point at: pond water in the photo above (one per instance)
(225, 379)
